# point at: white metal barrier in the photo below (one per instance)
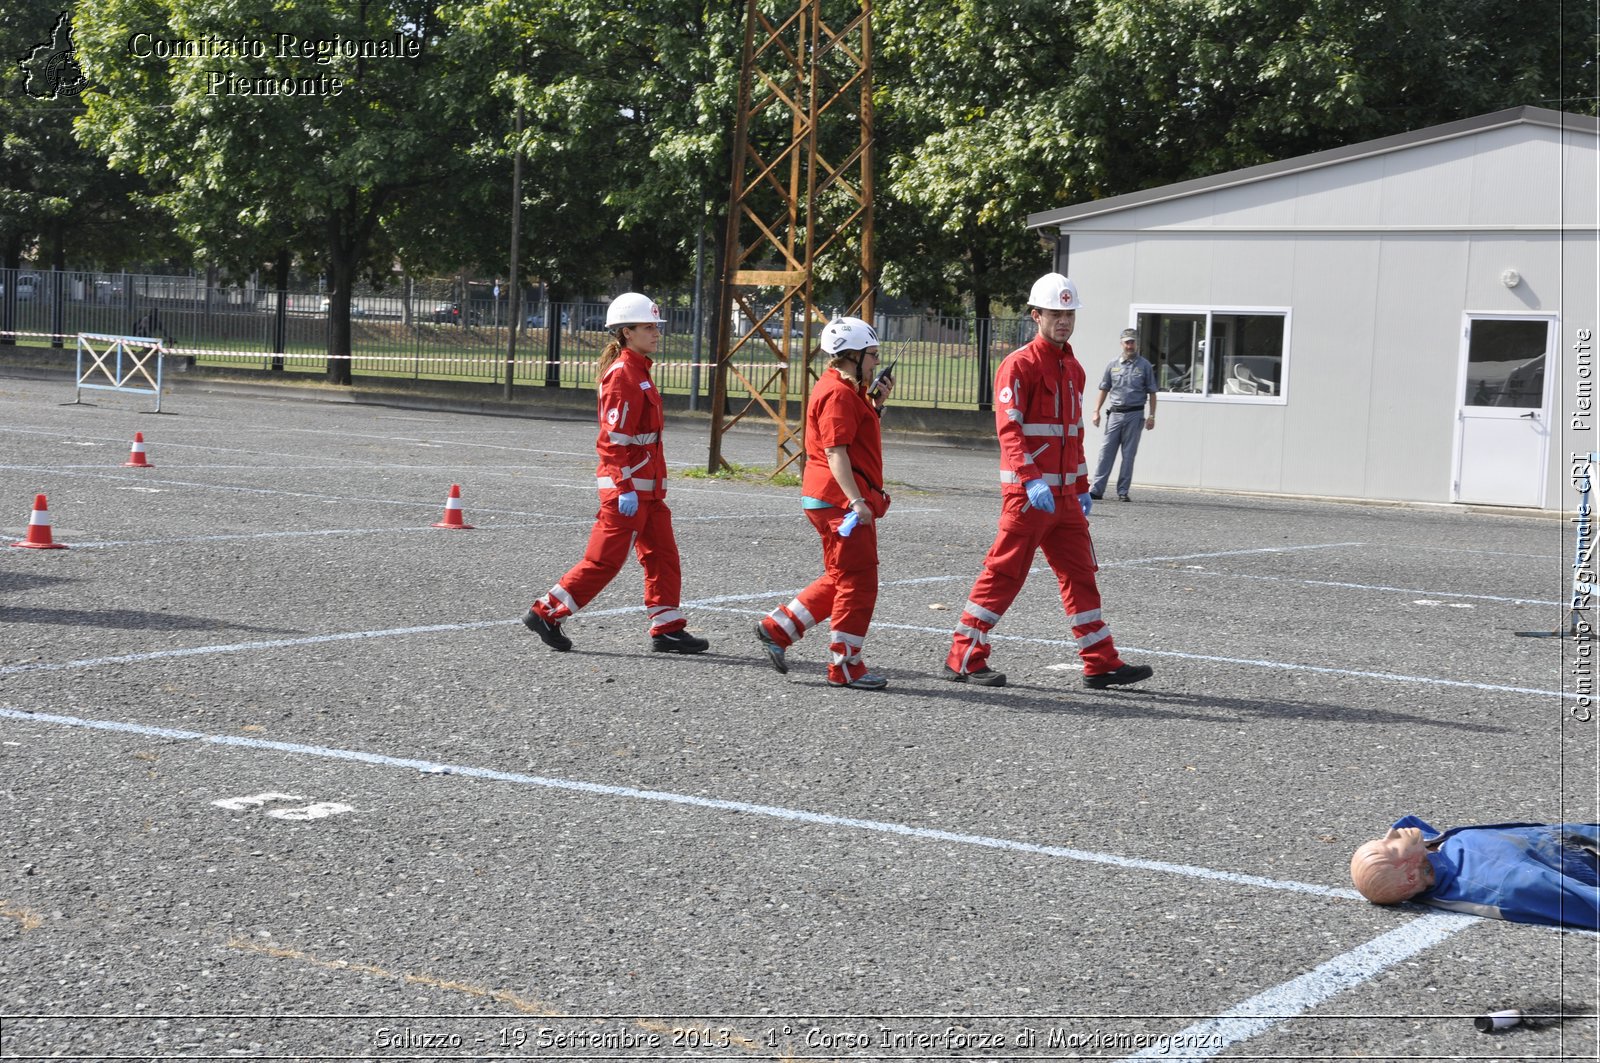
(123, 361)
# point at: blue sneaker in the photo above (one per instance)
(774, 651)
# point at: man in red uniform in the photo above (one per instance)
(843, 497)
(1045, 504)
(632, 479)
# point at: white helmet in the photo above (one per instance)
(631, 308)
(1054, 292)
(846, 334)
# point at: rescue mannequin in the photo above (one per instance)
(632, 480)
(1044, 500)
(843, 498)
(1523, 872)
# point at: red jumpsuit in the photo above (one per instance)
(1038, 417)
(839, 416)
(631, 459)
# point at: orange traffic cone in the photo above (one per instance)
(136, 459)
(39, 528)
(452, 511)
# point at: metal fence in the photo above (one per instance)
(448, 330)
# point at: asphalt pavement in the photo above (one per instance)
(285, 777)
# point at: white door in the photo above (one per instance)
(1503, 419)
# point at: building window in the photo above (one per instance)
(1505, 363)
(1232, 353)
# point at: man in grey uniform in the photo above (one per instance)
(1130, 380)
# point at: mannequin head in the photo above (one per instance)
(1390, 869)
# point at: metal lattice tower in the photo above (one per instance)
(800, 208)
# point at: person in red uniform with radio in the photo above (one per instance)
(843, 498)
(1038, 414)
(632, 479)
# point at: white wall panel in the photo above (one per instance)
(1330, 369)
(1582, 196)
(1429, 185)
(1253, 269)
(1173, 269)
(1416, 357)
(1244, 447)
(1349, 194)
(1259, 203)
(1516, 177)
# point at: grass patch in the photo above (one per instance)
(736, 473)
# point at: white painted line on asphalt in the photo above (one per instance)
(345, 636)
(712, 604)
(1249, 1018)
(1286, 666)
(340, 636)
(1228, 553)
(544, 522)
(241, 647)
(1361, 586)
(222, 538)
(1462, 550)
(791, 815)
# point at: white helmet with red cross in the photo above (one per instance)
(1054, 292)
(631, 308)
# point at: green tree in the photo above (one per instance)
(628, 116)
(58, 199)
(973, 137)
(1165, 90)
(994, 109)
(280, 144)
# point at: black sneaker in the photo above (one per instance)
(864, 681)
(549, 631)
(1121, 677)
(1124, 498)
(679, 641)
(983, 677)
(1095, 496)
(773, 650)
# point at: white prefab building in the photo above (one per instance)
(1411, 318)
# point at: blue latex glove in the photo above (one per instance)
(1085, 503)
(1039, 496)
(628, 503)
(849, 523)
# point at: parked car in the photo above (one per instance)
(450, 314)
(27, 286)
(536, 319)
(593, 322)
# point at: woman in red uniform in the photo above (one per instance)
(632, 479)
(844, 497)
